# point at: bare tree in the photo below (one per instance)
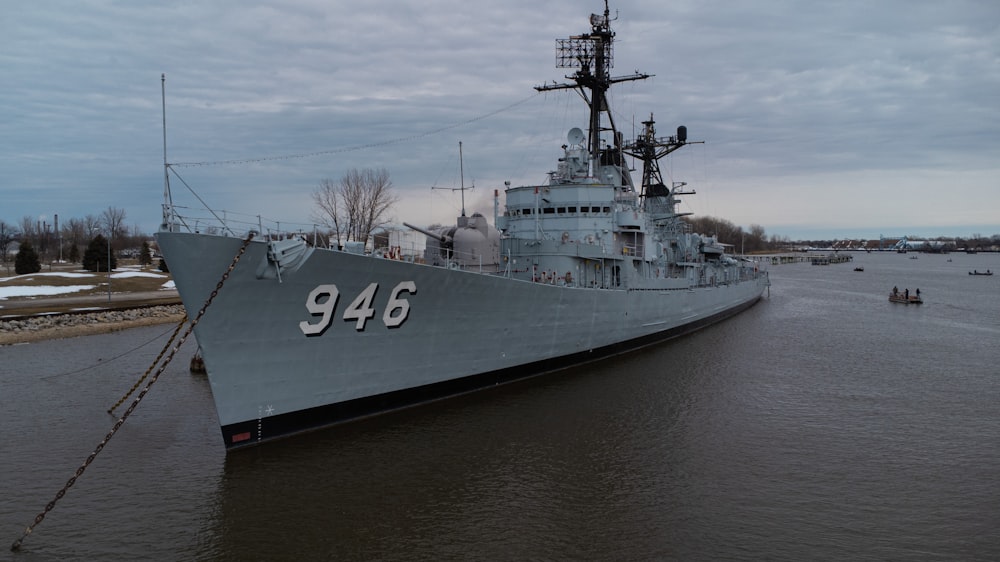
(136, 236)
(29, 228)
(356, 206)
(8, 233)
(756, 239)
(328, 212)
(75, 232)
(113, 220)
(90, 223)
(378, 202)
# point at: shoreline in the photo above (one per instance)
(60, 326)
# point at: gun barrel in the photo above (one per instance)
(440, 237)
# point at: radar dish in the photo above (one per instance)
(575, 136)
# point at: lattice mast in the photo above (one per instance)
(648, 148)
(592, 55)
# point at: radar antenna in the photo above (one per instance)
(593, 56)
(649, 149)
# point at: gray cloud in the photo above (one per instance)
(815, 117)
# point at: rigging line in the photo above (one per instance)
(202, 201)
(115, 358)
(357, 147)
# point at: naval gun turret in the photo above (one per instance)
(472, 243)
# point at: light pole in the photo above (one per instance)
(109, 268)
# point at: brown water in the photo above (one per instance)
(824, 423)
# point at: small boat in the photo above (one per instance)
(902, 298)
(859, 269)
(198, 364)
(977, 272)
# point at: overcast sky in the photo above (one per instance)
(830, 119)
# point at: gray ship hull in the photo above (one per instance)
(342, 336)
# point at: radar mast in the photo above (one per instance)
(592, 55)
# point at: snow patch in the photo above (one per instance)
(115, 274)
(41, 290)
(29, 277)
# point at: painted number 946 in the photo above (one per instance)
(322, 301)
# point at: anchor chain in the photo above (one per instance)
(100, 446)
(155, 362)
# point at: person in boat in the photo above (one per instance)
(906, 294)
(895, 291)
(918, 292)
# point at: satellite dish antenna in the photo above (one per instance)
(575, 136)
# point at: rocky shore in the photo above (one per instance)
(56, 326)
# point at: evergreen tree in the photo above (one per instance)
(146, 255)
(95, 258)
(26, 260)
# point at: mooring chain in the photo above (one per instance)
(79, 471)
(155, 362)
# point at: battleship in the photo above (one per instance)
(587, 265)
